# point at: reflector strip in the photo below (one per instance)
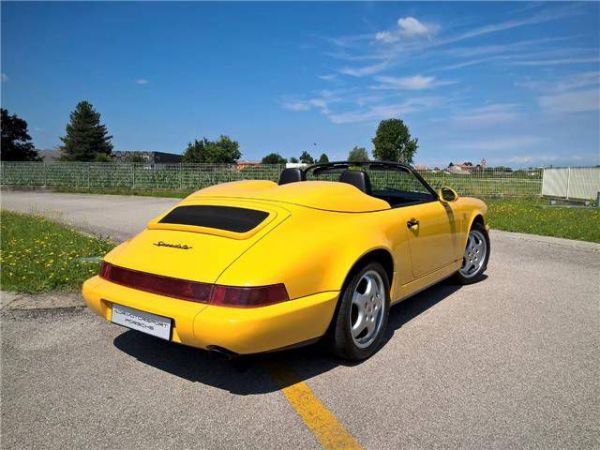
(194, 291)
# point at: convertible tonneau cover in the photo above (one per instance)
(325, 195)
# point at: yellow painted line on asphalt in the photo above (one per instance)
(330, 433)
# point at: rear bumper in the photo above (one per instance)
(239, 330)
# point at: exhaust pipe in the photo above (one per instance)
(222, 353)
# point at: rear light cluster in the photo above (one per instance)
(215, 294)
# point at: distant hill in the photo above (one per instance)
(49, 155)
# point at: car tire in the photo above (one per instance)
(361, 317)
(476, 256)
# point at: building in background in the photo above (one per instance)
(240, 165)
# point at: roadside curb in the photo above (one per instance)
(10, 301)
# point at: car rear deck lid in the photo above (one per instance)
(228, 218)
(239, 220)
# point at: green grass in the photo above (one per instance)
(126, 191)
(38, 255)
(536, 216)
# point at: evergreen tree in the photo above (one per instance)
(86, 139)
(305, 158)
(16, 143)
(323, 158)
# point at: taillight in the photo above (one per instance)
(243, 297)
(249, 296)
(157, 284)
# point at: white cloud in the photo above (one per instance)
(414, 83)
(386, 36)
(320, 103)
(4, 77)
(500, 143)
(570, 102)
(567, 83)
(409, 26)
(328, 77)
(364, 70)
(556, 62)
(141, 81)
(540, 17)
(521, 159)
(296, 106)
(489, 115)
(384, 111)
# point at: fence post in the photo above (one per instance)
(88, 176)
(45, 175)
(568, 182)
(180, 176)
(132, 176)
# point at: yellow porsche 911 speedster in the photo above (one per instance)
(254, 266)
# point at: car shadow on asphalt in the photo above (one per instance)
(253, 375)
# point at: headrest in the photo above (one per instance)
(290, 175)
(357, 178)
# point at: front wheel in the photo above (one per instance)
(362, 315)
(476, 256)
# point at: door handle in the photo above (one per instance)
(412, 223)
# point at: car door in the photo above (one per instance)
(431, 235)
(431, 223)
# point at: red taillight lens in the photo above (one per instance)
(157, 284)
(249, 296)
(244, 297)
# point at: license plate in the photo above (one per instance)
(143, 321)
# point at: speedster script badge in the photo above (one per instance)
(179, 246)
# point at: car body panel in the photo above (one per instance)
(207, 253)
(239, 330)
(314, 234)
(340, 197)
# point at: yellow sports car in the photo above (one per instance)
(254, 266)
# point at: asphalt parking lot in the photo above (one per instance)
(510, 362)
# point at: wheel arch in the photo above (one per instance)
(477, 218)
(381, 255)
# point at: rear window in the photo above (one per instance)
(226, 218)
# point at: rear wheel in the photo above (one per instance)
(361, 318)
(476, 256)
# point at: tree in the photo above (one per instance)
(358, 154)
(393, 142)
(274, 158)
(323, 158)
(16, 143)
(102, 157)
(135, 157)
(305, 158)
(195, 152)
(222, 151)
(294, 160)
(86, 137)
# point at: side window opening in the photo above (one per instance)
(399, 187)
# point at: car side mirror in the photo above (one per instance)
(446, 194)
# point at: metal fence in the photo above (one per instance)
(579, 183)
(98, 177)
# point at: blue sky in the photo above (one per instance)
(515, 83)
